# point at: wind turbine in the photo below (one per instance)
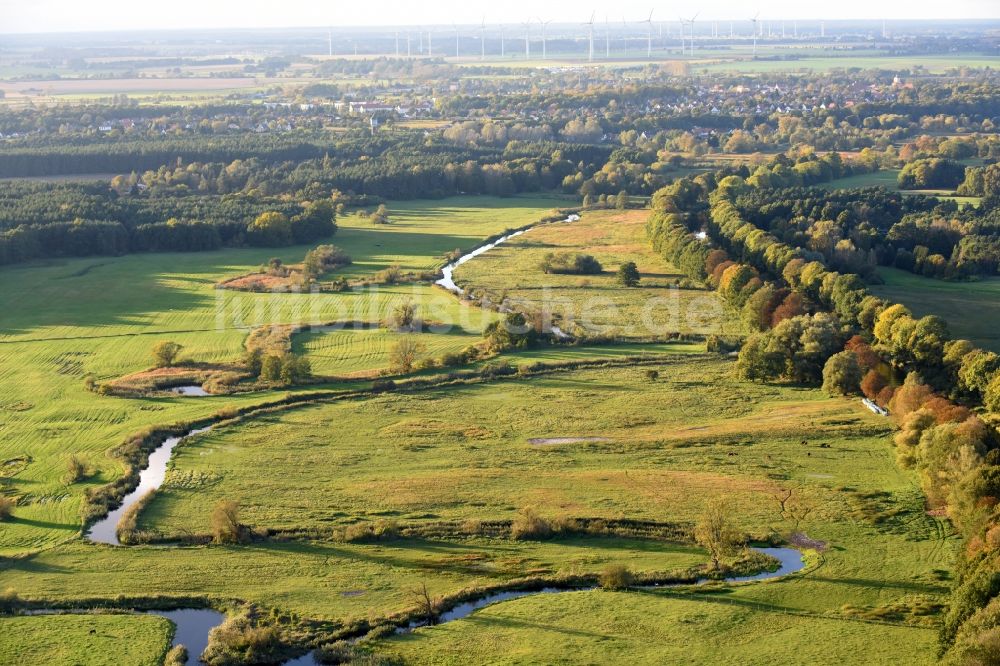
(482, 38)
(625, 39)
(681, 21)
(430, 44)
(456, 39)
(649, 35)
(590, 24)
(408, 50)
(329, 42)
(545, 24)
(397, 43)
(691, 25)
(503, 53)
(527, 40)
(755, 21)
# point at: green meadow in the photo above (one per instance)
(653, 434)
(85, 640)
(664, 302)
(64, 320)
(972, 309)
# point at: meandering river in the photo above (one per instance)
(194, 625)
(150, 478)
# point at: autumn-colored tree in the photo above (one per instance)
(872, 384)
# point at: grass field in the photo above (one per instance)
(84, 640)
(607, 442)
(427, 456)
(66, 319)
(887, 178)
(596, 304)
(972, 309)
(655, 628)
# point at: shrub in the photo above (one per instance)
(616, 577)
(359, 532)
(390, 275)
(322, 259)
(226, 527)
(386, 529)
(9, 599)
(380, 216)
(241, 640)
(652, 375)
(425, 364)
(529, 525)
(176, 656)
(7, 505)
(127, 527)
(402, 317)
(452, 359)
(270, 368)
(383, 385)
(405, 354)
(340, 652)
(570, 263)
(77, 469)
(498, 369)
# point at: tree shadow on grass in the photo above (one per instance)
(925, 588)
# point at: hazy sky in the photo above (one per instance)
(78, 15)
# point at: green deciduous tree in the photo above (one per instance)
(842, 374)
(628, 274)
(165, 353)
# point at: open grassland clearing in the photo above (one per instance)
(84, 640)
(972, 309)
(365, 352)
(664, 302)
(336, 581)
(464, 454)
(65, 320)
(655, 628)
(888, 178)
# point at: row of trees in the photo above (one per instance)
(953, 449)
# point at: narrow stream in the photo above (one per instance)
(791, 561)
(448, 281)
(106, 529)
(194, 625)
